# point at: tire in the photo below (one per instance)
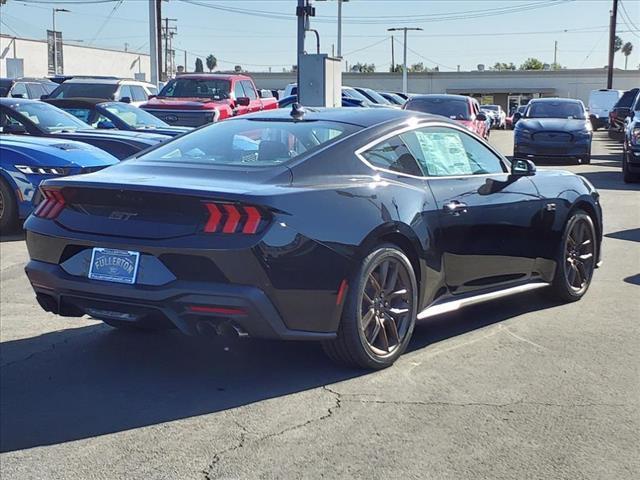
(372, 345)
(575, 259)
(627, 176)
(8, 208)
(587, 159)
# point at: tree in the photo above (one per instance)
(397, 68)
(363, 68)
(417, 68)
(199, 66)
(503, 66)
(532, 64)
(626, 49)
(212, 62)
(617, 44)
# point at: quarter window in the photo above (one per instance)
(393, 155)
(139, 95)
(19, 90)
(238, 91)
(125, 91)
(445, 151)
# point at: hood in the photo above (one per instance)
(184, 103)
(51, 152)
(152, 138)
(554, 124)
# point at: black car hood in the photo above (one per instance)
(555, 124)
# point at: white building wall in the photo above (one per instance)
(563, 83)
(78, 60)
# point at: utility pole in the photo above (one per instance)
(159, 37)
(303, 12)
(153, 41)
(393, 56)
(404, 61)
(55, 38)
(555, 55)
(612, 40)
(167, 34)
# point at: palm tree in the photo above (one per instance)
(212, 62)
(626, 50)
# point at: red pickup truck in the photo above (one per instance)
(197, 99)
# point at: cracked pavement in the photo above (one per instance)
(517, 389)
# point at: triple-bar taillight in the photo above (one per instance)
(233, 218)
(52, 204)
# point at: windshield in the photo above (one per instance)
(133, 116)
(48, 117)
(555, 110)
(353, 93)
(85, 90)
(250, 143)
(494, 108)
(377, 97)
(450, 108)
(197, 88)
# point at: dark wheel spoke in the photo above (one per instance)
(384, 273)
(571, 274)
(581, 274)
(397, 293)
(367, 298)
(376, 330)
(392, 279)
(390, 323)
(366, 320)
(383, 338)
(375, 283)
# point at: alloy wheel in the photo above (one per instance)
(579, 255)
(386, 306)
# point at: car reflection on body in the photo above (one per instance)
(343, 226)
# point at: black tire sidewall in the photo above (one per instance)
(560, 285)
(9, 218)
(352, 314)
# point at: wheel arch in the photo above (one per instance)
(590, 210)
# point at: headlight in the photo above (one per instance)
(43, 170)
(635, 136)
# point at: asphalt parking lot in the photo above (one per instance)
(517, 389)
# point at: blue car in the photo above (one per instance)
(27, 161)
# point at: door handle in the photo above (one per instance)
(454, 207)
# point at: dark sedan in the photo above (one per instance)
(342, 226)
(32, 117)
(631, 145)
(107, 114)
(554, 129)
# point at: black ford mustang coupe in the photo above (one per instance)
(341, 226)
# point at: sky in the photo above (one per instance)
(261, 35)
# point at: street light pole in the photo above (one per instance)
(55, 42)
(405, 80)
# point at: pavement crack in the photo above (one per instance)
(208, 472)
(488, 404)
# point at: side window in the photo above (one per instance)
(139, 95)
(19, 90)
(8, 119)
(125, 91)
(393, 155)
(238, 91)
(445, 152)
(35, 90)
(249, 90)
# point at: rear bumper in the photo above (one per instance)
(193, 307)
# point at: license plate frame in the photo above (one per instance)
(114, 265)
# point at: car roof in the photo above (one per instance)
(28, 140)
(79, 101)
(10, 101)
(213, 76)
(363, 117)
(440, 95)
(105, 80)
(554, 99)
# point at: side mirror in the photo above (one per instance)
(105, 125)
(14, 129)
(243, 101)
(17, 95)
(593, 116)
(125, 99)
(522, 167)
(151, 96)
(516, 116)
(44, 97)
(481, 116)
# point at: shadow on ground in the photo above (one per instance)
(13, 236)
(91, 381)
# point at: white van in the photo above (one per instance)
(601, 102)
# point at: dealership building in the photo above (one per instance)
(23, 57)
(505, 88)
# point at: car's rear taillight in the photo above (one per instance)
(232, 218)
(51, 205)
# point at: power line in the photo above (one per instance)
(626, 18)
(367, 47)
(427, 59)
(104, 24)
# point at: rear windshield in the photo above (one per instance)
(495, 108)
(197, 88)
(49, 118)
(86, 90)
(250, 143)
(447, 107)
(627, 98)
(555, 110)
